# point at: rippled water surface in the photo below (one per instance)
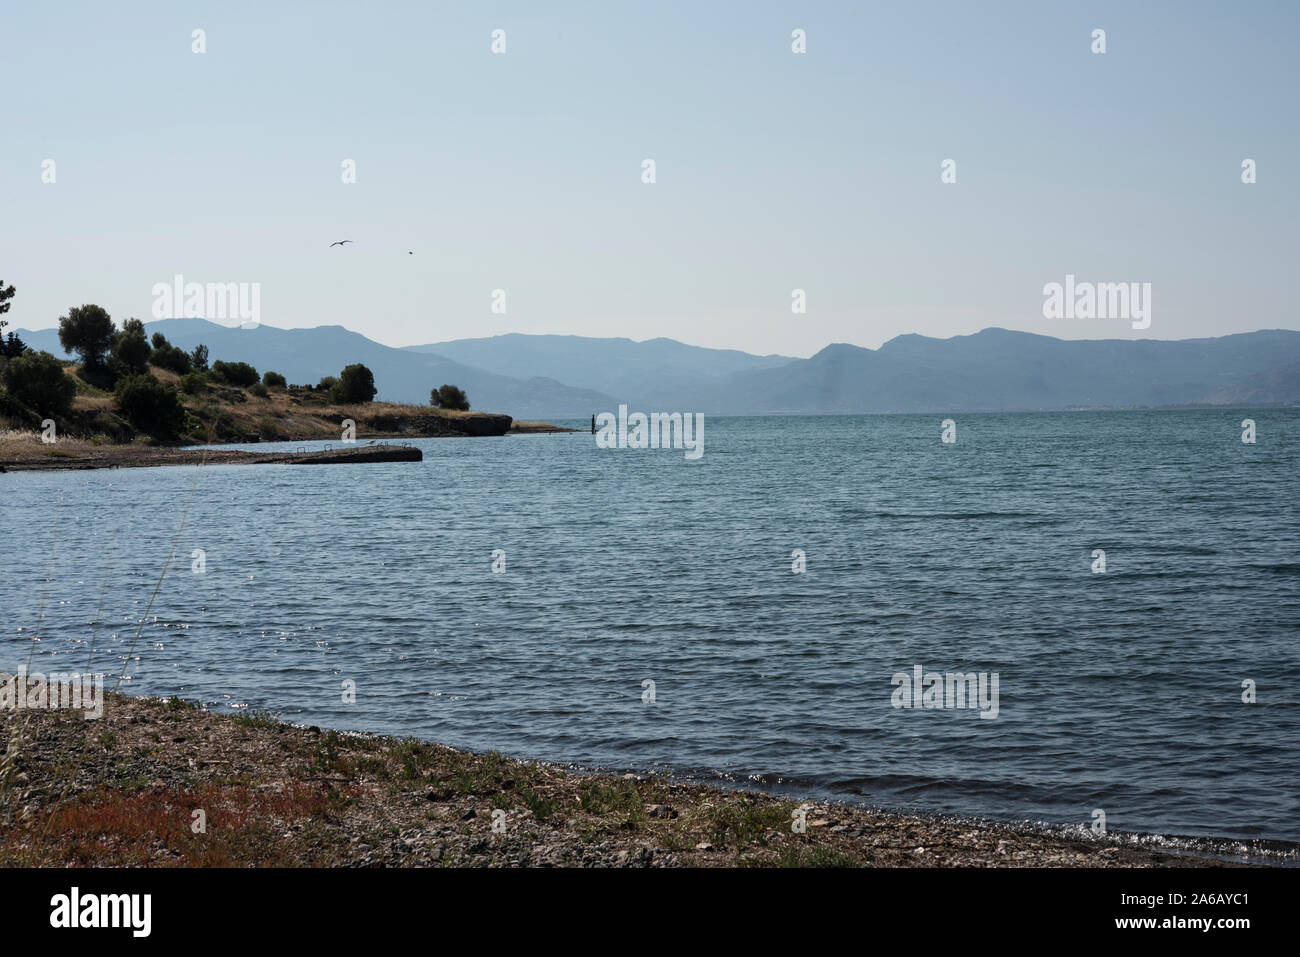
(1120, 691)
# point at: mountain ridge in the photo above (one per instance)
(995, 369)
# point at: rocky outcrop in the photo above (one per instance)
(135, 456)
(434, 425)
(482, 423)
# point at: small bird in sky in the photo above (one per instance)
(410, 252)
(341, 242)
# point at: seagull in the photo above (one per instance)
(341, 242)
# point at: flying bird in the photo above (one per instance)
(341, 242)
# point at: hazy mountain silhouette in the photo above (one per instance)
(998, 369)
(573, 376)
(651, 374)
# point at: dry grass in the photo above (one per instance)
(518, 426)
(16, 446)
(97, 403)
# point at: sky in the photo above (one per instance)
(522, 171)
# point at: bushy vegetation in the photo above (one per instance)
(129, 354)
(449, 397)
(258, 390)
(273, 380)
(36, 381)
(167, 356)
(194, 383)
(235, 373)
(151, 406)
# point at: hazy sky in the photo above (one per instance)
(775, 171)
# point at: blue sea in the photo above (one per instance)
(1118, 690)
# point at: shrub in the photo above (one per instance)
(356, 384)
(173, 358)
(273, 380)
(14, 414)
(194, 382)
(150, 405)
(109, 427)
(36, 380)
(167, 356)
(235, 373)
(449, 397)
(269, 429)
(258, 390)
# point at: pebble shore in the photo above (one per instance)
(163, 783)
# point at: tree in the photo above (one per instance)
(6, 293)
(130, 352)
(449, 397)
(273, 380)
(199, 358)
(14, 347)
(150, 405)
(88, 331)
(37, 381)
(356, 384)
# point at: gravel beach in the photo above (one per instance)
(163, 783)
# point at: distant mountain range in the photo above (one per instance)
(651, 374)
(997, 369)
(573, 376)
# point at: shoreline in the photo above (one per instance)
(31, 455)
(135, 456)
(123, 790)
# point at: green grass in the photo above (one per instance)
(623, 796)
(327, 753)
(801, 855)
(740, 823)
(541, 807)
(256, 718)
